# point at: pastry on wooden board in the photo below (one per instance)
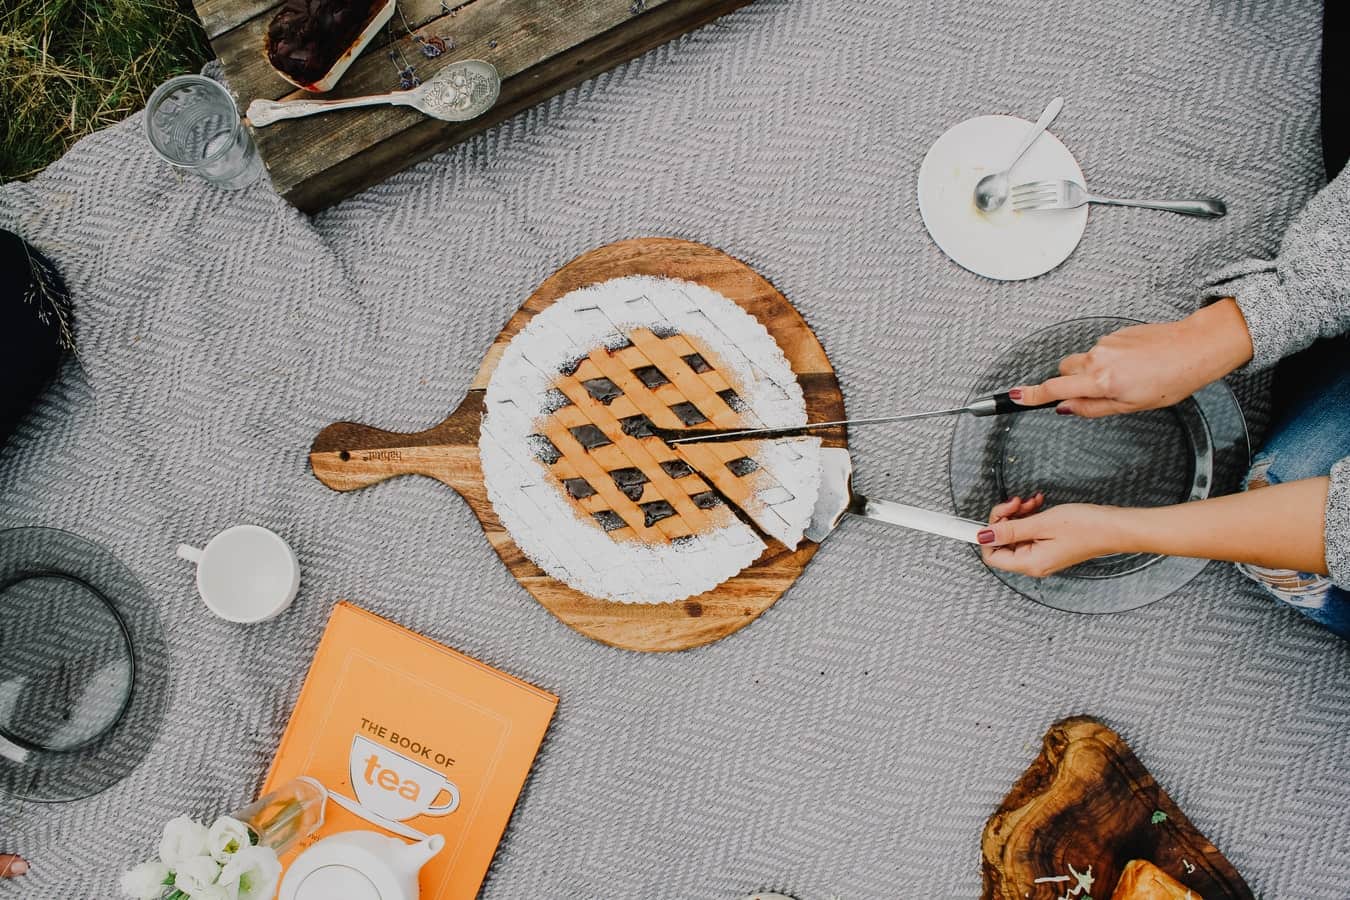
(311, 43)
(1083, 810)
(1142, 880)
(588, 489)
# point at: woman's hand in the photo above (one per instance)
(1021, 538)
(1280, 527)
(12, 865)
(1147, 366)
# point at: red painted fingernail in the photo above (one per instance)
(1063, 411)
(1015, 393)
(986, 536)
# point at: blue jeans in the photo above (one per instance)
(1306, 440)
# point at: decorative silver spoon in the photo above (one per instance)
(461, 91)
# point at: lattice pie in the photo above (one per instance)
(591, 494)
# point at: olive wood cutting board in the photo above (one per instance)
(1087, 801)
(346, 456)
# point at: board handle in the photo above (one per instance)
(347, 456)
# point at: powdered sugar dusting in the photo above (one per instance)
(546, 526)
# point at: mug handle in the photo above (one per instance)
(449, 807)
(190, 553)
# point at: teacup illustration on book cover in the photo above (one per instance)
(393, 786)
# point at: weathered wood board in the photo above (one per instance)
(1087, 802)
(540, 48)
(346, 456)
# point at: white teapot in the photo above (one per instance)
(359, 865)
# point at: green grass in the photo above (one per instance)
(71, 67)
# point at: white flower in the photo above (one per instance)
(183, 839)
(226, 836)
(255, 871)
(146, 881)
(193, 876)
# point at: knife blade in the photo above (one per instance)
(996, 404)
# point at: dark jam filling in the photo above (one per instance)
(636, 426)
(602, 389)
(543, 448)
(651, 376)
(743, 466)
(689, 413)
(732, 399)
(655, 511)
(706, 500)
(578, 488)
(696, 362)
(308, 37)
(555, 399)
(677, 468)
(630, 481)
(609, 520)
(589, 436)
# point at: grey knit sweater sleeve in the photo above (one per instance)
(1289, 302)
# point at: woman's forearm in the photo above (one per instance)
(1281, 526)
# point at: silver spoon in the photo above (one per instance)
(461, 91)
(991, 191)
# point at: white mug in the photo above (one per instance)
(393, 786)
(245, 574)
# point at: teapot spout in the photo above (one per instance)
(414, 856)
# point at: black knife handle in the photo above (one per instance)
(1003, 404)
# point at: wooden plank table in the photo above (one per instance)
(540, 48)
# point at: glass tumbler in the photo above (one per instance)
(288, 815)
(193, 124)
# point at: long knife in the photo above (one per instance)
(998, 404)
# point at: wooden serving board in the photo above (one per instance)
(346, 456)
(1088, 801)
(540, 48)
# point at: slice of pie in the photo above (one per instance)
(575, 464)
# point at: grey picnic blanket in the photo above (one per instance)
(851, 742)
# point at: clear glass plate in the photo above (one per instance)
(83, 667)
(1190, 451)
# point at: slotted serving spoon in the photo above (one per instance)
(461, 91)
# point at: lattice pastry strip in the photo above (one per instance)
(673, 384)
(780, 510)
(631, 464)
(631, 482)
(601, 425)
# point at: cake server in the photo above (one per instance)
(996, 405)
(837, 499)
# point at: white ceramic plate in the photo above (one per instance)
(1004, 245)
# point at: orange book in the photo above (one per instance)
(411, 736)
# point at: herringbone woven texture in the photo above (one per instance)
(851, 742)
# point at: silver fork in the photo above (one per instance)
(1070, 195)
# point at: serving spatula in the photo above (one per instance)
(838, 499)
